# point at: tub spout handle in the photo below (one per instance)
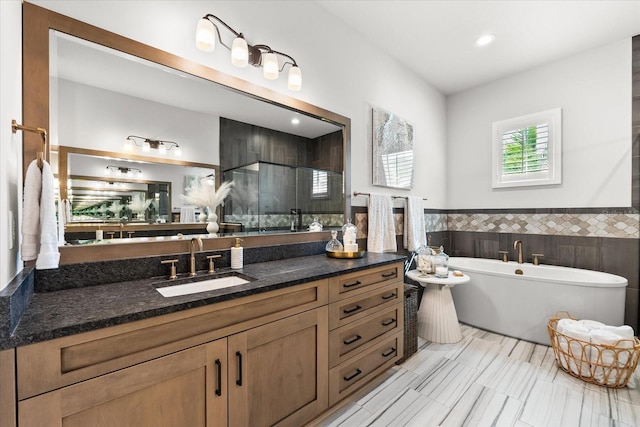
(505, 255)
(536, 258)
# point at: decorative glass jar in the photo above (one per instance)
(349, 232)
(424, 260)
(441, 264)
(334, 244)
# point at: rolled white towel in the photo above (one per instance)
(591, 324)
(578, 352)
(625, 331)
(563, 323)
(608, 360)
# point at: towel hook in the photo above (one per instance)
(15, 127)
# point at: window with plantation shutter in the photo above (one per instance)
(527, 150)
(320, 183)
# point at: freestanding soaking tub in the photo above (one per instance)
(520, 303)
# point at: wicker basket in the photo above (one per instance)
(410, 322)
(601, 364)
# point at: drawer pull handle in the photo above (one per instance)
(219, 383)
(239, 380)
(351, 310)
(352, 340)
(388, 322)
(389, 352)
(386, 276)
(351, 285)
(352, 376)
(391, 295)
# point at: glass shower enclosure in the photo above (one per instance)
(274, 197)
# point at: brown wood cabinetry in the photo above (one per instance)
(276, 358)
(267, 363)
(366, 327)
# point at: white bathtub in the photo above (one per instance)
(499, 300)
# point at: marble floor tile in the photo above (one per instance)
(486, 379)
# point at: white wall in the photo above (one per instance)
(10, 144)
(99, 119)
(341, 72)
(594, 91)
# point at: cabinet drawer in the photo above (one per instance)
(362, 281)
(358, 306)
(350, 376)
(52, 364)
(358, 336)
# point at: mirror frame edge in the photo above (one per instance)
(36, 23)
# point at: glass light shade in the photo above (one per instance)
(295, 78)
(270, 66)
(205, 35)
(162, 149)
(177, 151)
(240, 52)
(146, 147)
(128, 145)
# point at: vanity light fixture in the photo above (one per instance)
(242, 53)
(121, 170)
(148, 144)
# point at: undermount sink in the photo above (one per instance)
(201, 284)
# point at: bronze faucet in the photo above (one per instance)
(193, 256)
(121, 229)
(518, 245)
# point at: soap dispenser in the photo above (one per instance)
(236, 255)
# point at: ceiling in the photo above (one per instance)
(435, 39)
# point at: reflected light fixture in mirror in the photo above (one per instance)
(120, 170)
(148, 144)
(242, 53)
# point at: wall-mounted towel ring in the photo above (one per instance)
(15, 127)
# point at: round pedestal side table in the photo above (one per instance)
(437, 318)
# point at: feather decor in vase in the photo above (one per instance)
(206, 196)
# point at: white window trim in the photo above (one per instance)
(550, 177)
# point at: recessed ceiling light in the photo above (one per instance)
(295, 121)
(485, 40)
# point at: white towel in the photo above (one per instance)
(31, 212)
(61, 221)
(625, 331)
(415, 234)
(591, 324)
(48, 257)
(608, 358)
(381, 235)
(579, 353)
(187, 214)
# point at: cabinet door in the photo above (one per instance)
(186, 388)
(278, 372)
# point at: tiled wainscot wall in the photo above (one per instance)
(593, 239)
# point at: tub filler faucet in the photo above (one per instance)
(518, 245)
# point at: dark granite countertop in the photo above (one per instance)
(61, 313)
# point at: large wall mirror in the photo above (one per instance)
(92, 88)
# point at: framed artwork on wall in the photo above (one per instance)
(392, 150)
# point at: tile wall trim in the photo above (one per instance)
(584, 222)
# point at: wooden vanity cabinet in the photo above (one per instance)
(180, 389)
(269, 367)
(366, 327)
(277, 358)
